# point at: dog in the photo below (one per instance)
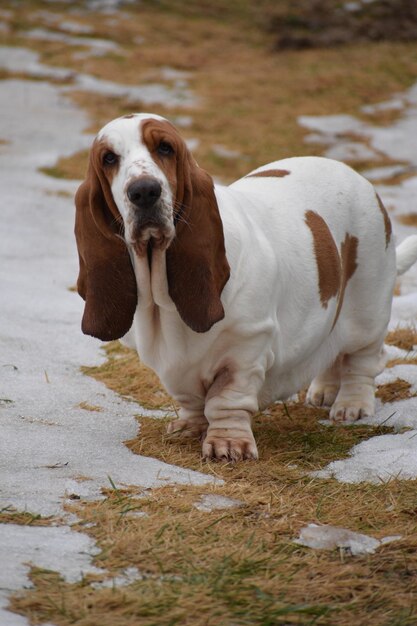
(241, 295)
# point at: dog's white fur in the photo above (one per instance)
(279, 332)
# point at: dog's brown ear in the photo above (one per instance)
(106, 278)
(197, 266)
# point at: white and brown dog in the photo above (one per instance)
(241, 295)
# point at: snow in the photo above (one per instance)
(213, 502)
(98, 47)
(48, 548)
(332, 537)
(21, 60)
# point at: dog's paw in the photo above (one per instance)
(319, 394)
(194, 427)
(229, 448)
(349, 411)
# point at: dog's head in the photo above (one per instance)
(144, 190)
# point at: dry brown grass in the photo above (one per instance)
(90, 407)
(398, 389)
(124, 373)
(403, 337)
(9, 515)
(240, 566)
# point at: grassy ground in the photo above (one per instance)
(236, 566)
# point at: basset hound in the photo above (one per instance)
(241, 295)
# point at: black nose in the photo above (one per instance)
(144, 192)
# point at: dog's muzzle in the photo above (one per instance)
(149, 222)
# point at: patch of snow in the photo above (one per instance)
(21, 60)
(192, 143)
(352, 7)
(54, 548)
(170, 73)
(352, 151)
(152, 93)
(183, 121)
(213, 502)
(396, 104)
(76, 28)
(404, 309)
(377, 460)
(98, 47)
(126, 577)
(328, 537)
(332, 124)
(388, 171)
(225, 153)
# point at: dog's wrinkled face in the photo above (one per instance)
(138, 154)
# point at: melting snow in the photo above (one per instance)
(332, 537)
(21, 60)
(213, 502)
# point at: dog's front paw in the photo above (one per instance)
(191, 427)
(348, 411)
(223, 444)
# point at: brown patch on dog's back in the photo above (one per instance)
(327, 257)
(348, 257)
(269, 174)
(387, 221)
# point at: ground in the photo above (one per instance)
(105, 520)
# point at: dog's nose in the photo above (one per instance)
(144, 192)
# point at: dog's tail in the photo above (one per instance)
(406, 254)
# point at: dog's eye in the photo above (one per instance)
(165, 149)
(110, 158)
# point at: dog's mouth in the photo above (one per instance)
(150, 235)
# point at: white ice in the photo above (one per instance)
(20, 60)
(328, 537)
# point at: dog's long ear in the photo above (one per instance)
(106, 278)
(197, 266)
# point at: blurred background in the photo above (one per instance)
(235, 75)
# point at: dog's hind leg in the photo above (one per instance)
(356, 396)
